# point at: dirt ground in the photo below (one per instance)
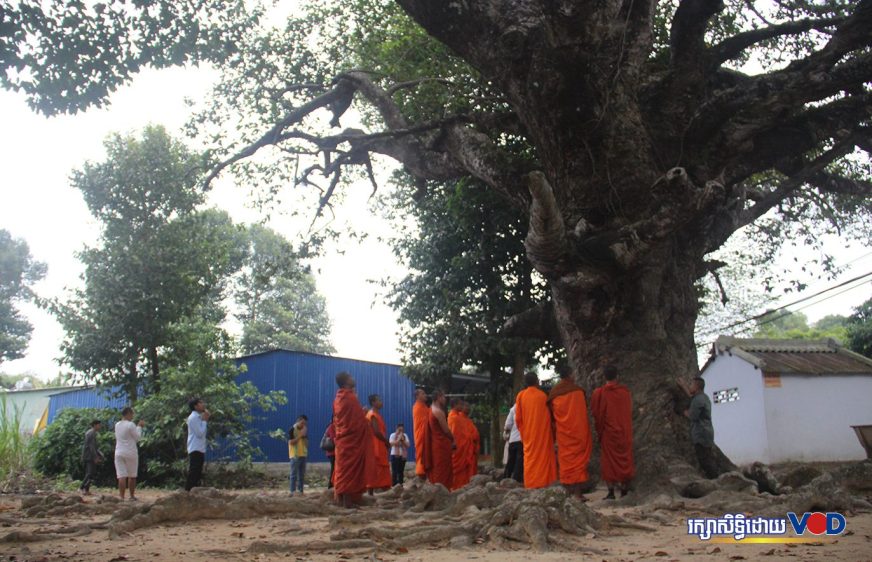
(245, 540)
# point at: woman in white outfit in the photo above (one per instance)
(126, 454)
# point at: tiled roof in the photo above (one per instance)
(797, 357)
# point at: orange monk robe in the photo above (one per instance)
(612, 408)
(574, 443)
(534, 422)
(476, 447)
(461, 455)
(420, 418)
(437, 455)
(354, 454)
(381, 476)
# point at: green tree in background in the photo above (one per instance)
(859, 328)
(794, 325)
(280, 306)
(18, 273)
(159, 258)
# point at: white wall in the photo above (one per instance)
(740, 427)
(809, 417)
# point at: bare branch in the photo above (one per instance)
(789, 186)
(415, 83)
(828, 182)
(732, 47)
(538, 322)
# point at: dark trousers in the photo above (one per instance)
(706, 457)
(196, 459)
(332, 467)
(90, 472)
(398, 468)
(515, 464)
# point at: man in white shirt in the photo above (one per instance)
(196, 442)
(399, 453)
(127, 434)
(515, 465)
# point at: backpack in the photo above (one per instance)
(326, 443)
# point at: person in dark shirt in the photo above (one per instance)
(91, 456)
(702, 433)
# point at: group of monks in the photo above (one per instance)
(561, 418)
(449, 455)
(448, 444)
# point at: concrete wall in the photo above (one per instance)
(740, 426)
(809, 417)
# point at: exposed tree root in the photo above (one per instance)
(208, 503)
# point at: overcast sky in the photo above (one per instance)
(38, 204)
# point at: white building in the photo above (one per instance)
(788, 400)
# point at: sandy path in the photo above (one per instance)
(238, 540)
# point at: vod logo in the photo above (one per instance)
(817, 523)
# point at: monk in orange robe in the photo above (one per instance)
(462, 453)
(476, 441)
(612, 408)
(534, 423)
(381, 476)
(574, 444)
(354, 453)
(439, 444)
(420, 419)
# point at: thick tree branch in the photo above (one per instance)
(538, 323)
(789, 186)
(546, 243)
(828, 182)
(687, 34)
(734, 46)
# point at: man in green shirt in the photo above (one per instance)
(702, 433)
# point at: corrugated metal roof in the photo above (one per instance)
(798, 357)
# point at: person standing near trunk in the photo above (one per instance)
(328, 445)
(196, 442)
(298, 452)
(91, 456)
(702, 433)
(612, 408)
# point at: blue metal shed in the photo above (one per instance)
(83, 398)
(309, 381)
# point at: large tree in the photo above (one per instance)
(279, 304)
(648, 145)
(159, 259)
(18, 272)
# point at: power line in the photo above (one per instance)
(783, 307)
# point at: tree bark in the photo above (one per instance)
(642, 322)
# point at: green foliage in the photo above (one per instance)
(67, 55)
(280, 306)
(859, 329)
(158, 260)
(18, 272)
(468, 276)
(14, 450)
(794, 325)
(58, 449)
(204, 368)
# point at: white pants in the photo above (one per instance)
(126, 466)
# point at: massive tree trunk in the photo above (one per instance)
(644, 153)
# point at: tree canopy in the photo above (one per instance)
(18, 272)
(279, 305)
(158, 261)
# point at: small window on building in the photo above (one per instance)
(727, 395)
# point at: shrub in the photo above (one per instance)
(58, 449)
